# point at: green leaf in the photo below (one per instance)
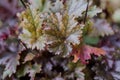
(91, 40)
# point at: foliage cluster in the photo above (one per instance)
(59, 40)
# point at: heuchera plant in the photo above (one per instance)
(56, 40)
(55, 28)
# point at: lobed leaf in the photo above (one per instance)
(84, 53)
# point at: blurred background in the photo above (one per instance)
(107, 69)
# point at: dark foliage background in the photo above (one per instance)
(57, 68)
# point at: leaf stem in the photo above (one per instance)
(23, 3)
(86, 12)
(22, 44)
